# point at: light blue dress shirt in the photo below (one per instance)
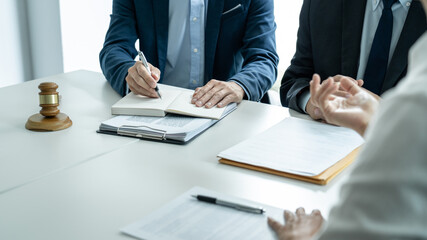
(373, 14)
(185, 66)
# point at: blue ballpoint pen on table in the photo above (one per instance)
(236, 206)
(145, 63)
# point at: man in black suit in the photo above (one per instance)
(335, 39)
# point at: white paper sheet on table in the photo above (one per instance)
(186, 218)
(296, 146)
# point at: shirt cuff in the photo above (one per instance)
(243, 87)
(302, 100)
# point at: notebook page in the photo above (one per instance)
(182, 105)
(133, 104)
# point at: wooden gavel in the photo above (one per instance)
(49, 99)
(49, 118)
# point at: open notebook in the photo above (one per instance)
(172, 101)
(297, 148)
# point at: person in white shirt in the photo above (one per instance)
(386, 196)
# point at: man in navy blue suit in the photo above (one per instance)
(224, 49)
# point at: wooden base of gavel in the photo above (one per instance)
(49, 118)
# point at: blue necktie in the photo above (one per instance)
(376, 67)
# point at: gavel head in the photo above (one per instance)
(49, 99)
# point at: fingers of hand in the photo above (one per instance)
(325, 94)
(155, 72)
(316, 212)
(275, 225)
(314, 84)
(339, 78)
(140, 91)
(289, 216)
(313, 110)
(320, 91)
(350, 86)
(214, 94)
(225, 101)
(220, 93)
(342, 94)
(200, 92)
(212, 97)
(137, 84)
(325, 86)
(145, 75)
(300, 212)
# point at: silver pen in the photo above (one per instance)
(145, 63)
(236, 206)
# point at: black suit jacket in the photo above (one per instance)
(329, 38)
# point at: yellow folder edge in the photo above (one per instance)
(322, 179)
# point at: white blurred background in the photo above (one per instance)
(46, 37)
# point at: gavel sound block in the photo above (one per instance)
(49, 118)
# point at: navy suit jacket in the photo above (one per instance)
(329, 38)
(239, 45)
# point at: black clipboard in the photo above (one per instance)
(154, 139)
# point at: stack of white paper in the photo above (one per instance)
(296, 146)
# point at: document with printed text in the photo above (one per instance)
(185, 218)
(296, 146)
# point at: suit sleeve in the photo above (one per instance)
(259, 71)
(118, 52)
(297, 77)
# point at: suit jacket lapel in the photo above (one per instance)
(415, 26)
(213, 23)
(161, 21)
(353, 15)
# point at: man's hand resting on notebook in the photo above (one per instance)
(217, 93)
(141, 82)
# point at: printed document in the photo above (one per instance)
(297, 146)
(186, 218)
(170, 127)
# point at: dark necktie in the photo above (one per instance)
(376, 67)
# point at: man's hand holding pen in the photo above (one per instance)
(141, 82)
(142, 79)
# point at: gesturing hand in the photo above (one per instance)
(217, 93)
(297, 226)
(352, 109)
(312, 107)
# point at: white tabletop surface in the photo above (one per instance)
(25, 156)
(123, 180)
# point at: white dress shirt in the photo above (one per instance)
(386, 196)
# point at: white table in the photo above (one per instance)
(92, 200)
(26, 156)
